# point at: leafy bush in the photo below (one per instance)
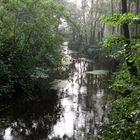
(123, 122)
(28, 38)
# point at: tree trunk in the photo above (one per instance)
(112, 12)
(102, 31)
(84, 22)
(93, 21)
(128, 51)
(137, 11)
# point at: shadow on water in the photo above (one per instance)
(74, 109)
(30, 121)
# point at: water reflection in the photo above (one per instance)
(76, 111)
(84, 100)
(30, 121)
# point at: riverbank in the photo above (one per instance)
(75, 107)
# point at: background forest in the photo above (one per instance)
(32, 31)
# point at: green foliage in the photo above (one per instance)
(28, 37)
(125, 113)
(119, 19)
(125, 124)
(124, 116)
(5, 82)
(136, 53)
(114, 40)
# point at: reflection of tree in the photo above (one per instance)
(34, 120)
(90, 106)
(94, 103)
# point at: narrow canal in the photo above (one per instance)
(74, 109)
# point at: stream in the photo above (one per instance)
(74, 109)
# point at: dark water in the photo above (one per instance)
(74, 109)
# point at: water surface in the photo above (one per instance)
(75, 108)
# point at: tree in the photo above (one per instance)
(123, 120)
(28, 39)
(128, 52)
